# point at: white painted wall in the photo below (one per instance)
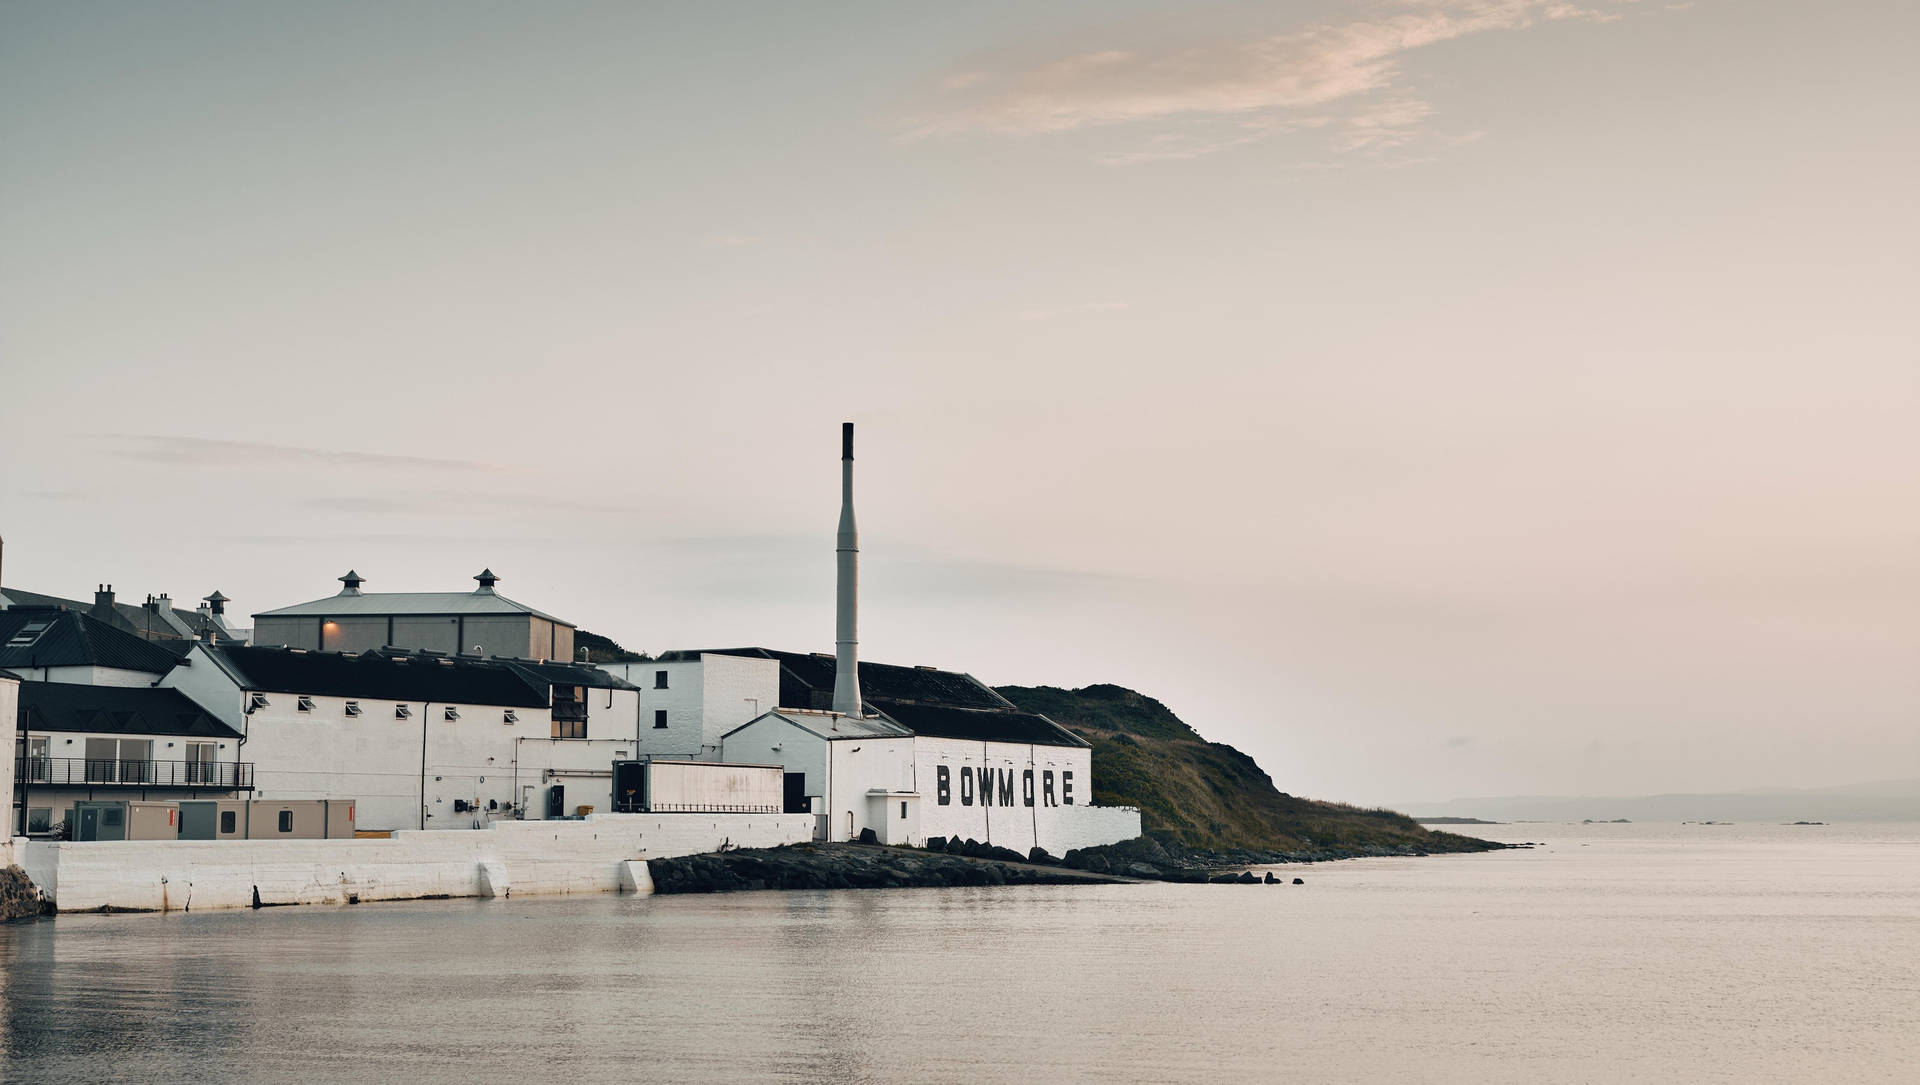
(1061, 784)
(58, 799)
(704, 699)
(89, 676)
(9, 715)
(771, 740)
(697, 785)
(859, 766)
(521, 858)
(210, 687)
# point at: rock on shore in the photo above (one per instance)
(18, 897)
(848, 866)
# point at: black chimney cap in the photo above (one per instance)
(486, 578)
(846, 440)
(352, 579)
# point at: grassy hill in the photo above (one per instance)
(1208, 794)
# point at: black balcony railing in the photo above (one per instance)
(95, 772)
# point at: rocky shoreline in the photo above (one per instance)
(947, 862)
(19, 899)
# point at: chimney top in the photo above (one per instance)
(216, 603)
(352, 581)
(846, 440)
(487, 581)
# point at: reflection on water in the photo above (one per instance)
(1619, 952)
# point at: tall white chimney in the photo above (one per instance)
(846, 666)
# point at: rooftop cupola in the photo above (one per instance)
(216, 603)
(352, 581)
(487, 581)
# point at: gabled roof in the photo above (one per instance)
(979, 724)
(405, 676)
(125, 710)
(374, 675)
(71, 639)
(380, 604)
(922, 700)
(830, 725)
(802, 676)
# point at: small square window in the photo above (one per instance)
(353, 708)
(286, 821)
(510, 717)
(258, 700)
(659, 719)
(40, 819)
(659, 679)
(453, 713)
(402, 712)
(306, 704)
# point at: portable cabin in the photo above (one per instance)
(125, 820)
(295, 819)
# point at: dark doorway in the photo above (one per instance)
(797, 802)
(556, 801)
(629, 786)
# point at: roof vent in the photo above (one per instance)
(352, 581)
(216, 603)
(487, 581)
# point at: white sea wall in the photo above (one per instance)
(527, 857)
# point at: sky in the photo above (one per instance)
(1432, 398)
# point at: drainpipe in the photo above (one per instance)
(425, 711)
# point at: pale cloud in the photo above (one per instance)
(207, 452)
(1342, 74)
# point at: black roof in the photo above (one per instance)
(405, 676)
(977, 724)
(72, 639)
(126, 710)
(803, 675)
(925, 700)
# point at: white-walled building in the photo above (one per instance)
(689, 700)
(52, 644)
(90, 742)
(481, 622)
(9, 741)
(420, 740)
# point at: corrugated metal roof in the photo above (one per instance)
(979, 724)
(72, 639)
(380, 604)
(126, 710)
(833, 727)
(804, 678)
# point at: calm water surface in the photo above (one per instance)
(1616, 953)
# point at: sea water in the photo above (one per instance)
(1657, 953)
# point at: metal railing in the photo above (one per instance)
(112, 772)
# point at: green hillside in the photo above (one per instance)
(1208, 794)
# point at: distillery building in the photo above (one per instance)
(480, 622)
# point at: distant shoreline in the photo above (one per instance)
(1456, 821)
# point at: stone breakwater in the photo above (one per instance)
(18, 897)
(1146, 857)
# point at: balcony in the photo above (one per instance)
(89, 772)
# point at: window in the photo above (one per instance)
(305, 704)
(40, 819)
(228, 823)
(903, 809)
(402, 712)
(660, 719)
(569, 728)
(659, 679)
(569, 712)
(452, 713)
(200, 767)
(353, 708)
(510, 717)
(113, 817)
(286, 821)
(257, 701)
(38, 767)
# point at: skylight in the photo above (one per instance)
(30, 632)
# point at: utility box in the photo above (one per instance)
(294, 819)
(126, 820)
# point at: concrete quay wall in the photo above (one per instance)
(603, 853)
